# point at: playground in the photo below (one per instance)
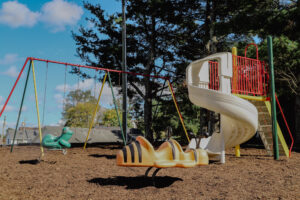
(114, 171)
(93, 174)
(221, 126)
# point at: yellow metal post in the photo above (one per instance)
(280, 135)
(37, 109)
(234, 84)
(95, 112)
(180, 117)
(237, 151)
(234, 63)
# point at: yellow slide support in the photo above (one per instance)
(37, 108)
(234, 81)
(280, 135)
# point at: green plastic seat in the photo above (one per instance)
(58, 142)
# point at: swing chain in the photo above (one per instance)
(65, 80)
(45, 93)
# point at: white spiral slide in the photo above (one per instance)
(239, 118)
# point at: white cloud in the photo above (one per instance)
(85, 85)
(88, 84)
(15, 14)
(56, 14)
(12, 72)
(59, 13)
(59, 99)
(8, 108)
(106, 97)
(8, 59)
(82, 85)
(62, 88)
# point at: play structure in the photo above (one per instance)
(241, 89)
(238, 88)
(233, 86)
(58, 142)
(239, 119)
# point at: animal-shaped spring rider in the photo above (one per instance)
(58, 142)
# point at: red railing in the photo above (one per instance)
(214, 83)
(250, 76)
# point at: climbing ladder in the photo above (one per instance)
(265, 129)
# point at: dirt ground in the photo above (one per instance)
(93, 174)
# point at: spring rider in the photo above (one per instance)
(58, 142)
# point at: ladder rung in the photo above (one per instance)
(267, 125)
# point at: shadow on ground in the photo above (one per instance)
(137, 182)
(103, 155)
(253, 155)
(30, 162)
(35, 162)
(101, 145)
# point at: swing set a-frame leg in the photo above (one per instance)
(21, 106)
(37, 110)
(116, 108)
(95, 112)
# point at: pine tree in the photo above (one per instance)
(155, 31)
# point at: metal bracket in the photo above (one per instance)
(153, 175)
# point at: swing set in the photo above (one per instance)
(31, 68)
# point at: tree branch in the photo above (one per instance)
(290, 78)
(137, 89)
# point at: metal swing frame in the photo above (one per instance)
(32, 59)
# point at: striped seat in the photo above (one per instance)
(141, 153)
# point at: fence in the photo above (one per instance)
(250, 76)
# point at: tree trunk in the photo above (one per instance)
(148, 84)
(210, 19)
(148, 111)
(210, 48)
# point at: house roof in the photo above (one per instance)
(98, 134)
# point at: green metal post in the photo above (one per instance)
(21, 106)
(116, 107)
(273, 100)
(3, 130)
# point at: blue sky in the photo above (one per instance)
(42, 29)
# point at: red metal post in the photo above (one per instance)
(13, 88)
(98, 68)
(287, 126)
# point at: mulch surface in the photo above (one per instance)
(92, 174)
